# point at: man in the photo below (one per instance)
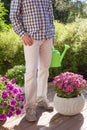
(32, 20)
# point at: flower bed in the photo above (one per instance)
(11, 99)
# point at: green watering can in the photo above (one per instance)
(57, 57)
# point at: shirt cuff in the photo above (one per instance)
(22, 34)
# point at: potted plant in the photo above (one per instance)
(68, 87)
(11, 98)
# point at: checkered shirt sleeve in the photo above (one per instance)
(15, 9)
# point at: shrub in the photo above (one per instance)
(11, 51)
(18, 73)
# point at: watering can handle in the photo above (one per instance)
(66, 47)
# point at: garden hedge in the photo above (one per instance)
(11, 51)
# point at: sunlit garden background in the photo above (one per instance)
(70, 28)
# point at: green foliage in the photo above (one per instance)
(82, 48)
(3, 12)
(6, 3)
(17, 72)
(7, 7)
(54, 72)
(11, 51)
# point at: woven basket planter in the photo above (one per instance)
(69, 106)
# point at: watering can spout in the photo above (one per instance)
(65, 49)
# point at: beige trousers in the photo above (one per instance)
(37, 58)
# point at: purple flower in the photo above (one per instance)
(21, 106)
(18, 111)
(12, 102)
(3, 79)
(15, 90)
(20, 91)
(12, 109)
(3, 117)
(5, 104)
(10, 114)
(22, 98)
(5, 94)
(9, 92)
(18, 96)
(13, 81)
(9, 86)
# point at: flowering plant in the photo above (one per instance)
(68, 84)
(11, 99)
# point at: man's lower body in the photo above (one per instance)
(38, 59)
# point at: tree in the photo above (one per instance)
(68, 10)
(61, 10)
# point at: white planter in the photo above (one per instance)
(69, 106)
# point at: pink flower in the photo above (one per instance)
(69, 89)
(69, 84)
(60, 86)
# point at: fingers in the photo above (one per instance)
(27, 40)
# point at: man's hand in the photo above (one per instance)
(27, 40)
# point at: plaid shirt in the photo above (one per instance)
(34, 17)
